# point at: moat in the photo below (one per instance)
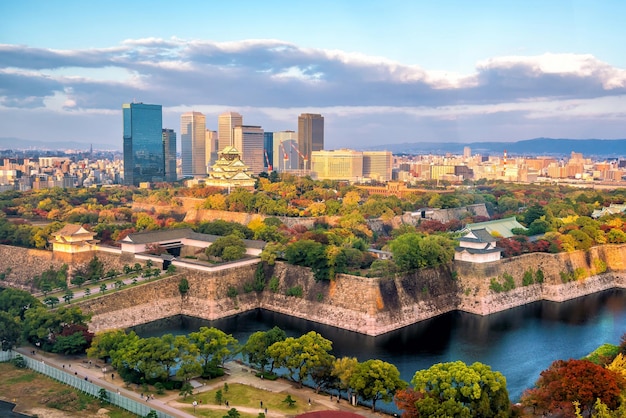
(520, 342)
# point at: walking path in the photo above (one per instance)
(169, 404)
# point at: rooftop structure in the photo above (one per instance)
(498, 227)
(477, 246)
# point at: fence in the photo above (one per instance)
(84, 385)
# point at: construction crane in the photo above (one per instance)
(267, 161)
(285, 156)
(305, 159)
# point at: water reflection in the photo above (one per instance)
(520, 342)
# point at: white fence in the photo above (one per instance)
(84, 385)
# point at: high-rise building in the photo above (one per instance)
(169, 146)
(144, 157)
(226, 122)
(211, 149)
(377, 165)
(249, 141)
(310, 136)
(268, 151)
(193, 144)
(285, 153)
(343, 164)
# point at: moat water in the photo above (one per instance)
(519, 343)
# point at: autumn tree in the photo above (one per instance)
(406, 401)
(456, 389)
(565, 382)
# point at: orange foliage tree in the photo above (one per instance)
(565, 382)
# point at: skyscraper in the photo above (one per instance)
(268, 151)
(249, 141)
(144, 158)
(193, 144)
(285, 153)
(310, 136)
(226, 122)
(211, 149)
(169, 145)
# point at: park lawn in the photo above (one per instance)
(248, 396)
(31, 390)
(216, 413)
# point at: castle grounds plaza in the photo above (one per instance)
(268, 392)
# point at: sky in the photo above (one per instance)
(380, 72)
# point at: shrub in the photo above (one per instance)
(566, 277)
(539, 276)
(509, 283)
(248, 287)
(527, 280)
(580, 273)
(294, 291)
(274, 284)
(495, 285)
(600, 266)
(232, 292)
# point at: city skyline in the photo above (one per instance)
(386, 72)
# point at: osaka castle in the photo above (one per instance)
(229, 171)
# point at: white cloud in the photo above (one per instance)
(274, 81)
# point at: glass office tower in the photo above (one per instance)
(144, 156)
(169, 145)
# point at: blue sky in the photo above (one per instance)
(379, 71)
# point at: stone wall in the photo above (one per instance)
(370, 306)
(25, 263)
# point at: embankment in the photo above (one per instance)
(371, 306)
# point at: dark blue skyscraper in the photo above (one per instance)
(169, 145)
(144, 155)
(268, 150)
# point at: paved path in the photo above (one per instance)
(235, 373)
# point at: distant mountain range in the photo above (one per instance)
(27, 144)
(537, 146)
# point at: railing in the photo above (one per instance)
(84, 386)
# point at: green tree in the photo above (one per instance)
(412, 251)
(95, 269)
(186, 390)
(219, 397)
(68, 295)
(51, 301)
(456, 389)
(183, 286)
(10, 331)
(301, 355)
(232, 413)
(16, 302)
(375, 380)
(343, 368)
(214, 347)
(228, 248)
(289, 401)
(255, 349)
(103, 288)
(189, 365)
(103, 396)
